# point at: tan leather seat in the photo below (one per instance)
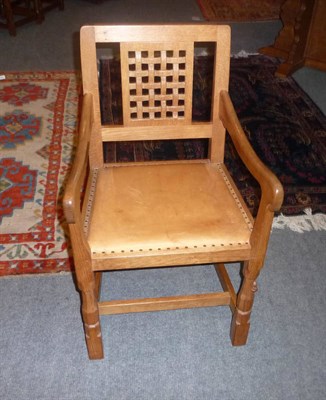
(166, 207)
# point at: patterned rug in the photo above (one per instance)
(37, 135)
(240, 10)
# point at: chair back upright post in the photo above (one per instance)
(157, 83)
(90, 86)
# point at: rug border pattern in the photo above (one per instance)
(45, 233)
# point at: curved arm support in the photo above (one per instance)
(271, 187)
(71, 199)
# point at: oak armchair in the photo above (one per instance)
(158, 214)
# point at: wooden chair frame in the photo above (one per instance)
(173, 122)
(26, 11)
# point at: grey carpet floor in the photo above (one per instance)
(54, 44)
(183, 354)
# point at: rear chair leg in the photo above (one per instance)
(241, 317)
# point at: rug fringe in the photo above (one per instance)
(243, 54)
(301, 223)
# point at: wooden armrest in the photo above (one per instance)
(71, 199)
(271, 187)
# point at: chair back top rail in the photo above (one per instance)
(159, 33)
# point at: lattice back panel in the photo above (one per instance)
(156, 83)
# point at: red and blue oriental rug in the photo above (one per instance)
(38, 125)
(240, 10)
(37, 138)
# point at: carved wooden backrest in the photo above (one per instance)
(157, 82)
